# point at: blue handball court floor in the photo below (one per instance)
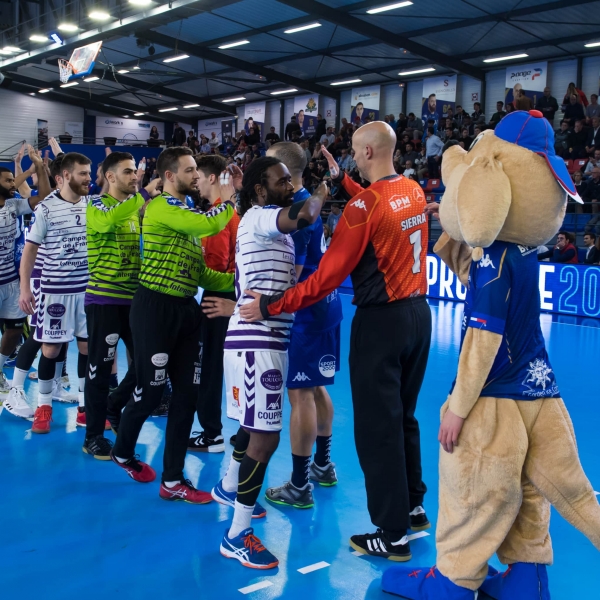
(72, 527)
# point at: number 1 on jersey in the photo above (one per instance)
(415, 240)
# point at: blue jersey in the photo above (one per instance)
(310, 247)
(504, 298)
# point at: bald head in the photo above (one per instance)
(374, 145)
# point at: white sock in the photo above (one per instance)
(81, 396)
(242, 517)
(58, 369)
(19, 377)
(121, 460)
(231, 479)
(171, 484)
(3, 359)
(45, 392)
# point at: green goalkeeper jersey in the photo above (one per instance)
(172, 261)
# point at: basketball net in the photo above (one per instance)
(66, 70)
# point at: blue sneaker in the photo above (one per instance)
(423, 584)
(248, 549)
(228, 498)
(519, 582)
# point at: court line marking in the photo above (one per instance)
(597, 493)
(416, 536)
(315, 567)
(357, 553)
(255, 586)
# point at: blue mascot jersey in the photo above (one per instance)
(504, 298)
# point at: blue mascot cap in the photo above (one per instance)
(532, 131)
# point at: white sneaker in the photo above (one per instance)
(16, 404)
(4, 385)
(65, 382)
(61, 395)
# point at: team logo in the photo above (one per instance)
(538, 372)
(301, 377)
(160, 375)
(236, 394)
(112, 339)
(272, 380)
(486, 261)
(137, 394)
(174, 202)
(327, 365)
(273, 401)
(55, 325)
(160, 359)
(56, 310)
(360, 204)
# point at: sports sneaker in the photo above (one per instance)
(289, 495)
(228, 499)
(16, 403)
(185, 491)
(80, 420)
(377, 544)
(136, 469)
(325, 476)
(41, 419)
(4, 385)
(65, 381)
(200, 443)
(248, 549)
(419, 520)
(98, 446)
(61, 395)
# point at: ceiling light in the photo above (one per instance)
(90, 79)
(99, 15)
(511, 57)
(68, 27)
(191, 106)
(122, 71)
(11, 49)
(374, 11)
(168, 109)
(56, 38)
(38, 38)
(5, 52)
(140, 2)
(138, 114)
(234, 44)
(427, 70)
(283, 92)
(346, 81)
(126, 116)
(303, 28)
(71, 84)
(174, 58)
(592, 44)
(234, 99)
(44, 91)
(137, 68)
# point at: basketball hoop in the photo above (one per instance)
(66, 70)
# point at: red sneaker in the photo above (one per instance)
(80, 420)
(136, 469)
(41, 420)
(185, 491)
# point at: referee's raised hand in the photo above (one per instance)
(334, 168)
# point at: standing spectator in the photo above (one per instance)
(214, 141)
(498, 115)
(191, 138)
(178, 138)
(291, 127)
(460, 116)
(272, 137)
(321, 127)
(593, 139)
(154, 133)
(561, 139)
(593, 110)
(253, 136)
(433, 152)
(334, 217)
(477, 116)
(401, 123)
(574, 111)
(547, 105)
(327, 138)
(450, 120)
(577, 139)
(564, 251)
(592, 254)
(581, 97)
(522, 102)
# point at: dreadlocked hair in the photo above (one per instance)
(256, 174)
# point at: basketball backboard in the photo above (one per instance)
(83, 59)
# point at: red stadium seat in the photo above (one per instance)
(577, 165)
(432, 184)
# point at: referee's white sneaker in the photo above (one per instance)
(16, 404)
(61, 395)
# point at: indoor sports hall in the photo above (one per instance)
(229, 81)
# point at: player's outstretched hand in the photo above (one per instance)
(334, 168)
(237, 176)
(226, 186)
(56, 149)
(19, 154)
(450, 431)
(251, 312)
(217, 307)
(34, 156)
(432, 209)
(27, 302)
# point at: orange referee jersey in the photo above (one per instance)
(219, 250)
(380, 240)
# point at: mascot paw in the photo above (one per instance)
(423, 584)
(521, 581)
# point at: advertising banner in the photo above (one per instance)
(129, 131)
(42, 133)
(206, 127)
(255, 116)
(75, 128)
(529, 79)
(439, 94)
(306, 109)
(365, 103)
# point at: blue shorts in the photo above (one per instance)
(314, 358)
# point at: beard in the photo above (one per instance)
(187, 189)
(282, 200)
(7, 192)
(78, 188)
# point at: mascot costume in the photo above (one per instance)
(510, 448)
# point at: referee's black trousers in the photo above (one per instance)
(106, 324)
(210, 397)
(166, 342)
(389, 347)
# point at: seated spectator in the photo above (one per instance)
(476, 131)
(334, 217)
(576, 140)
(414, 126)
(196, 147)
(564, 251)
(522, 102)
(466, 139)
(409, 154)
(204, 146)
(574, 111)
(214, 141)
(593, 109)
(498, 115)
(351, 162)
(547, 105)
(581, 97)
(191, 138)
(561, 140)
(468, 125)
(450, 121)
(409, 172)
(593, 139)
(401, 122)
(447, 134)
(317, 152)
(392, 122)
(327, 234)
(509, 108)
(592, 254)
(592, 163)
(272, 137)
(421, 164)
(344, 159)
(328, 138)
(592, 196)
(477, 115)
(398, 156)
(256, 153)
(460, 116)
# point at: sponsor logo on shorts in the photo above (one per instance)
(111, 354)
(301, 377)
(160, 359)
(56, 310)
(236, 394)
(327, 365)
(55, 324)
(197, 373)
(273, 401)
(273, 414)
(160, 375)
(112, 339)
(272, 380)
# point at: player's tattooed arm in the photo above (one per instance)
(302, 214)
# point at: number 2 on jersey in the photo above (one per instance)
(415, 240)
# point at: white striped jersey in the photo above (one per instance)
(41, 253)
(264, 262)
(9, 232)
(60, 226)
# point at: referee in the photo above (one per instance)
(381, 241)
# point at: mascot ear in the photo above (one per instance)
(483, 201)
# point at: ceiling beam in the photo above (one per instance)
(383, 35)
(233, 62)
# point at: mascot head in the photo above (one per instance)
(508, 186)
